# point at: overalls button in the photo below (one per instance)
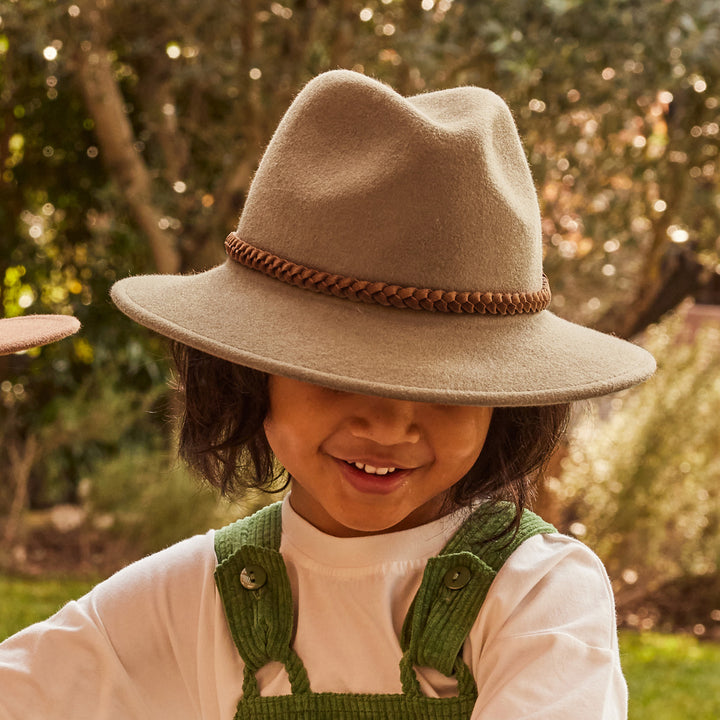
(253, 577)
(457, 577)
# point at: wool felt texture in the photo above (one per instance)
(438, 621)
(28, 331)
(431, 191)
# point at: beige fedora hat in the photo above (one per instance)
(27, 331)
(391, 246)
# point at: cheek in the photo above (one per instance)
(280, 422)
(292, 444)
(269, 427)
(280, 440)
(282, 447)
(465, 437)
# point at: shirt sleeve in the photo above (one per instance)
(544, 646)
(124, 650)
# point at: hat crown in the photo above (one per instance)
(427, 191)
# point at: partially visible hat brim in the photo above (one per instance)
(245, 317)
(28, 331)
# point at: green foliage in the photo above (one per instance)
(121, 472)
(617, 101)
(80, 424)
(142, 496)
(642, 479)
(108, 416)
(671, 677)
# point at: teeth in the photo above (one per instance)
(373, 470)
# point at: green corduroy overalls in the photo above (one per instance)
(255, 590)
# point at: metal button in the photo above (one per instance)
(457, 577)
(253, 577)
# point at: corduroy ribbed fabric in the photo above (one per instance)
(454, 586)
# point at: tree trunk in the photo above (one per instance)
(116, 139)
(678, 275)
(21, 463)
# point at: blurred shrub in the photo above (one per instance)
(101, 420)
(149, 499)
(77, 413)
(105, 459)
(107, 453)
(641, 481)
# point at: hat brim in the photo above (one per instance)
(28, 331)
(245, 317)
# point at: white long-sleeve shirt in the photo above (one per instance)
(152, 641)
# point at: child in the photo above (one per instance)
(379, 329)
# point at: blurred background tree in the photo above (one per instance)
(129, 132)
(640, 483)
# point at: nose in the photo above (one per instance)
(385, 421)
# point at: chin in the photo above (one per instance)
(374, 525)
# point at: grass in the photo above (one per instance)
(671, 677)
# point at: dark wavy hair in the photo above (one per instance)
(221, 436)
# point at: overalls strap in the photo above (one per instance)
(262, 529)
(454, 587)
(255, 590)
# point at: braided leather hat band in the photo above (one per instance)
(381, 293)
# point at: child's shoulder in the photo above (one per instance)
(536, 570)
(186, 564)
(554, 575)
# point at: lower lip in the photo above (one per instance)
(375, 484)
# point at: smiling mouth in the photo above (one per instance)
(370, 470)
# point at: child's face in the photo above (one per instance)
(321, 436)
